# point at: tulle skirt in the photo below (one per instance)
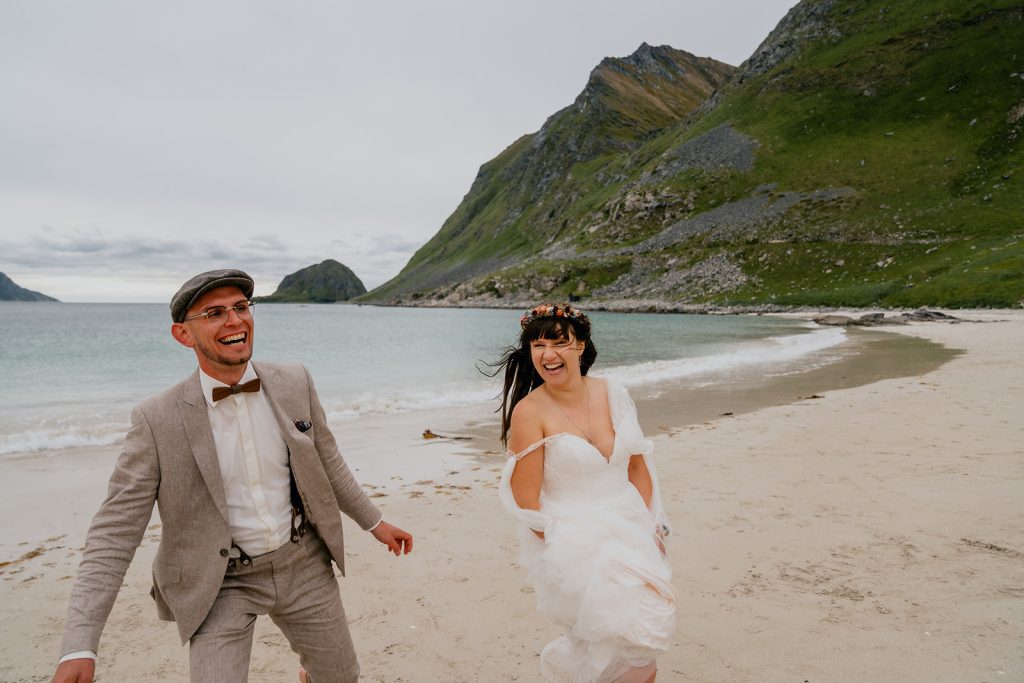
(599, 572)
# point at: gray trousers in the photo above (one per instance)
(295, 585)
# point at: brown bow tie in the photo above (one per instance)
(224, 392)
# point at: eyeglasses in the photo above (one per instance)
(243, 309)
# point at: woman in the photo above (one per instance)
(581, 482)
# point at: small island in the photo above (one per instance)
(324, 283)
(10, 291)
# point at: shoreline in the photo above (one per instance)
(666, 408)
(870, 534)
(654, 305)
(625, 305)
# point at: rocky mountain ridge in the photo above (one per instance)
(509, 209)
(866, 154)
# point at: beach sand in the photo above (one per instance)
(861, 533)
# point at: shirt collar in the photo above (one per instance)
(208, 383)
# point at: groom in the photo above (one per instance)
(248, 481)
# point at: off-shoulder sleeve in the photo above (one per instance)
(631, 437)
(529, 449)
(534, 519)
(627, 427)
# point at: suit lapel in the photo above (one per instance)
(196, 421)
(286, 396)
(279, 394)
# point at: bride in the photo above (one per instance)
(580, 480)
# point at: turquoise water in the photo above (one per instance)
(69, 373)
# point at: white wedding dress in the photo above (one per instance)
(598, 570)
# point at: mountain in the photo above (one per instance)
(866, 154)
(9, 291)
(529, 196)
(325, 282)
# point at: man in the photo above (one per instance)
(249, 483)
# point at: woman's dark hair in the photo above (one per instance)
(520, 376)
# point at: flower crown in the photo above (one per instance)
(552, 311)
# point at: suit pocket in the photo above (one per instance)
(166, 574)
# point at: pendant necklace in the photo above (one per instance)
(586, 432)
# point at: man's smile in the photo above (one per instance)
(233, 339)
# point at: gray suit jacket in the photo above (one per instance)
(169, 458)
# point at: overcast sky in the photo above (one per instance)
(142, 142)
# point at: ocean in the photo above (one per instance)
(70, 373)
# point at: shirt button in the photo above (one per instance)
(223, 552)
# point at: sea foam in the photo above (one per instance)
(772, 351)
(776, 354)
(47, 440)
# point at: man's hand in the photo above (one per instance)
(399, 542)
(75, 671)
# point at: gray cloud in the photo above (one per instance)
(272, 256)
(152, 137)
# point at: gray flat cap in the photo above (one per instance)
(204, 282)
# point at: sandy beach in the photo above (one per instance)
(865, 533)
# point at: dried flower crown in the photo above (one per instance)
(551, 311)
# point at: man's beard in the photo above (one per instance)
(215, 356)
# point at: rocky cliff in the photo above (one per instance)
(530, 195)
(325, 282)
(866, 154)
(9, 291)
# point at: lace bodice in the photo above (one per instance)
(574, 469)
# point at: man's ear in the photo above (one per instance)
(182, 335)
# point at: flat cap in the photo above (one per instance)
(204, 282)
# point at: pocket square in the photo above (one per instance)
(303, 425)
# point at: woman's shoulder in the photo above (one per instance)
(526, 430)
(528, 408)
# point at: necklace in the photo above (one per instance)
(586, 432)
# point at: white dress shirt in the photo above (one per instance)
(253, 461)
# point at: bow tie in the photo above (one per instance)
(224, 392)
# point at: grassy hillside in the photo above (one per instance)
(867, 154)
(918, 109)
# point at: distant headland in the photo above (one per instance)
(10, 291)
(324, 283)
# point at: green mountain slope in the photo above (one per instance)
(868, 153)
